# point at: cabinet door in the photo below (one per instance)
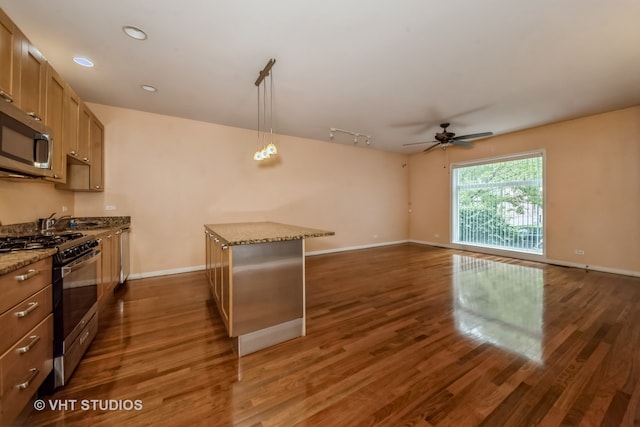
(54, 118)
(225, 291)
(84, 123)
(10, 51)
(96, 136)
(71, 125)
(115, 260)
(32, 81)
(107, 259)
(217, 269)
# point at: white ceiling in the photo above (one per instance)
(393, 70)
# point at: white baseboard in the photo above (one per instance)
(354, 248)
(135, 276)
(533, 257)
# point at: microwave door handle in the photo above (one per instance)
(80, 263)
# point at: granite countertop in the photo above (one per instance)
(92, 226)
(15, 260)
(246, 233)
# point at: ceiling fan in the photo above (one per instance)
(445, 138)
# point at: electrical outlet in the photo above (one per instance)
(436, 235)
(65, 209)
(579, 252)
(110, 208)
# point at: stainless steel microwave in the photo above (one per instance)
(26, 144)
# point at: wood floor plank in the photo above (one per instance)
(404, 335)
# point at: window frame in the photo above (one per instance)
(514, 253)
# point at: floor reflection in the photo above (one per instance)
(499, 303)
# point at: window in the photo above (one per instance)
(499, 203)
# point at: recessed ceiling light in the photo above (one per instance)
(83, 61)
(134, 32)
(148, 88)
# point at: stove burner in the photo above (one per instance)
(35, 241)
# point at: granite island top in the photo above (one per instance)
(12, 261)
(246, 233)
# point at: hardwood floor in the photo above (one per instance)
(404, 335)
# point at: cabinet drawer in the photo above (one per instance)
(18, 320)
(24, 367)
(26, 281)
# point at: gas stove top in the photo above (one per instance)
(38, 241)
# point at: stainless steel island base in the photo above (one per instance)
(256, 275)
(263, 338)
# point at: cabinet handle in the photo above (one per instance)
(34, 374)
(73, 153)
(84, 337)
(97, 187)
(224, 247)
(26, 348)
(4, 95)
(28, 275)
(31, 306)
(215, 239)
(34, 115)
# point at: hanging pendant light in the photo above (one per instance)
(269, 149)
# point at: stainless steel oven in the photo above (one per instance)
(75, 304)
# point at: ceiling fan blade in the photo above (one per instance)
(416, 143)
(461, 143)
(473, 135)
(431, 148)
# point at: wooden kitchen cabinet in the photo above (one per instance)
(217, 271)
(85, 169)
(29, 81)
(54, 118)
(109, 266)
(33, 68)
(96, 150)
(71, 125)
(26, 343)
(84, 129)
(10, 52)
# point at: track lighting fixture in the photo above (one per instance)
(356, 135)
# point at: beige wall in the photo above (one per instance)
(592, 188)
(26, 201)
(173, 175)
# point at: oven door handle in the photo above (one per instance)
(81, 262)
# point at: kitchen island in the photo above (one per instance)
(256, 274)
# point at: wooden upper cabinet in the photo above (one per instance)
(96, 134)
(33, 67)
(84, 126)
(54, 118)
(10, 52)
(71, 124)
